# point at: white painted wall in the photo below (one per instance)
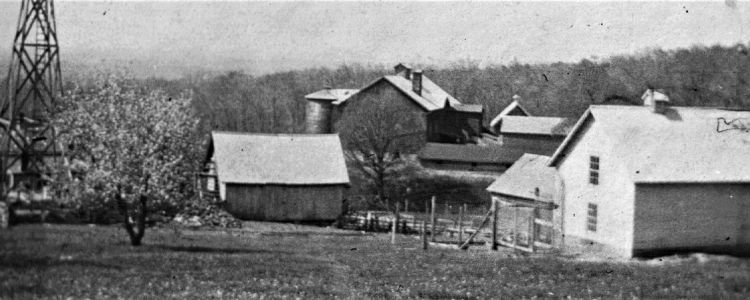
(613, 195)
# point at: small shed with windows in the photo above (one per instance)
(279, 177)
(650, 180)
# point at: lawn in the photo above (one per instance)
(288, 261)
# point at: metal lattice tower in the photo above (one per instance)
(27, 139)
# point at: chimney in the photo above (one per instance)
(403, 70)
(656, 99)
(416, 82)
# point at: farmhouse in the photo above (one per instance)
(527, 199)
(642, 180)
(279, 177)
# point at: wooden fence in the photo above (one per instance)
(457, 224)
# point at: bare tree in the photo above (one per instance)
(376, 136)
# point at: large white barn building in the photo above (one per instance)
(641, 180)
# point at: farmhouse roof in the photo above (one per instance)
(507, 110)
(431, 98)
(525, 177)
(536, 125)
(328, 94)
(470, 153)
(289, 159)
(682, 144)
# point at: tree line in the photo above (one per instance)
(274, 103)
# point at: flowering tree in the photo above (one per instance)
(130, 146)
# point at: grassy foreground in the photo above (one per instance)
(262, 261)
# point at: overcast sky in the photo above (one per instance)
(261, 37)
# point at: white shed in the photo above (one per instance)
(641, 181)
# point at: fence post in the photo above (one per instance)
(460, 224)
(432, 219)
(494, 224)
(406, 206)
(515, 227)
(394, 228)
(424, 235)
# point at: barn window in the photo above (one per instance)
(594, 169)
(592, 216)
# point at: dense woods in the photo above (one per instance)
(708, 76)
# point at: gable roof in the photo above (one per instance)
(513, 106)
(684, 144)
(338, 95)
(528, 173)
(290, 159)
(470, 153)
(432, 97)
(536, 125)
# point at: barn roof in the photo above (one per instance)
(525, 176)
(470, 153)
(683, 144)
(289, 159)
(536, 125)
(513, 106)
(432, 97)
(328, 94)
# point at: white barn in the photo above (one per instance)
(640, 180)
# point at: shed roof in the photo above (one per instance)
(470, 153)
(525, 176)
(290, 159)
(536, 125)
(513, 106)
(682, 145)
(327, 94)
(469, 108)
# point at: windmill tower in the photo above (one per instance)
(27, 140)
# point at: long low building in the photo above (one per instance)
(279, 177)
(469, 157)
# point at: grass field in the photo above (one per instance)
(266, 260)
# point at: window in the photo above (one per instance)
(594, 170)
(591, 219)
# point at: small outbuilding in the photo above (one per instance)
(655, 179)
(527, 199)
(279, 177)
(456, 124)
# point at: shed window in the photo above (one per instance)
(592, 216)
(594, 170)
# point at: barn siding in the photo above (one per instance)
(284, 203)
(707, 217)
(613, 197)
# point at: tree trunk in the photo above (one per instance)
(135, 234)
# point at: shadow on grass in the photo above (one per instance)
(25, 262)
(201, 249)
